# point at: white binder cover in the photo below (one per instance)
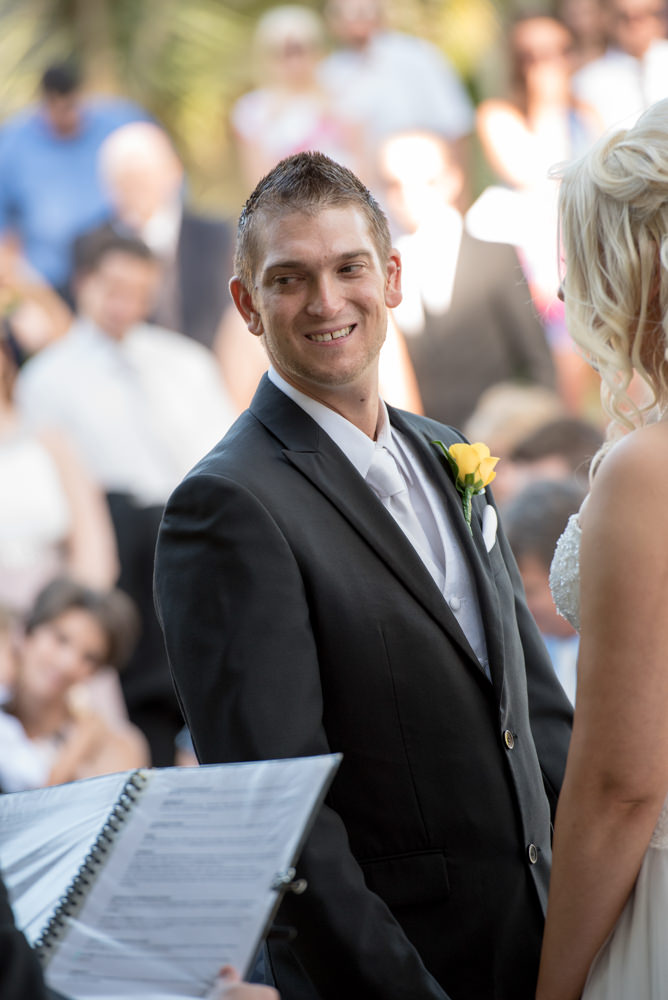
(143, 884)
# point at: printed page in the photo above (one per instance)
(45, 836)
(188, 886)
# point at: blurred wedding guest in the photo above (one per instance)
(390, 81)
(466, 313)
(534, 520)
(50, 190)
(559, 449)
(49, 731)
(507, 412)
(540, 123)
(53, 518)
(142, 404)
(143, 179)
(290, 112)
(36, 313)
(7, 670)
(587, 23)
(633, 71)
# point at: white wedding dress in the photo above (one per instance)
(633, 963)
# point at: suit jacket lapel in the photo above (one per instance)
(317, 457)
(472, 542)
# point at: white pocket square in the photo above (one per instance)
(490, 523)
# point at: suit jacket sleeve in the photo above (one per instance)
(20, 972)
(236, 617)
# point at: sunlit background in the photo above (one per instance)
(188, 62)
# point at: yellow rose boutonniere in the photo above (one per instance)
(473, 469)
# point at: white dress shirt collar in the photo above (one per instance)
(354, 443)
(444, 548)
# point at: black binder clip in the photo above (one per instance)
(286, 882)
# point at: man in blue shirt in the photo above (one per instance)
(49, 185)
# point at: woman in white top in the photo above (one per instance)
(52, 517)
(538, 124)
(290, 112)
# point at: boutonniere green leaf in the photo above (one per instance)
(473, 469)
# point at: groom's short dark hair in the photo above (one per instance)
(305, 182)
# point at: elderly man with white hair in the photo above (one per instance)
(144, 180)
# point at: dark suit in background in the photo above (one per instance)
(490, 333)
(203, 267)
(299, 620)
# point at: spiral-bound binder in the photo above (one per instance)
(71, 901)
(145, 883)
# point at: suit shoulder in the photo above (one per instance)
(231, 489)
(243, 451)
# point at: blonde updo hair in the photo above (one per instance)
(613, 207)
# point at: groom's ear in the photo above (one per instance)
(243, 300)
(393, 295)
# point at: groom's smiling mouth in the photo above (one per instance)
(330, 335)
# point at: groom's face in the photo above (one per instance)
(320, 299)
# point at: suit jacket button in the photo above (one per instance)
(532, 851)
(509, 739)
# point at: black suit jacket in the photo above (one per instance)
(20, 971)
(490, 333)
(298, 620)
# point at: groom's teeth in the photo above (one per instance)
(321, 337)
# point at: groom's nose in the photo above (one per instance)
(325, 297)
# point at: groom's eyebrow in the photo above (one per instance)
(283, 265)
(278, 265)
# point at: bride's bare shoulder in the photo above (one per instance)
(632, 479)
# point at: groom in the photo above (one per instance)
(307, 609)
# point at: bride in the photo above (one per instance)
(606, 935)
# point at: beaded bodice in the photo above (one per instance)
(565, 573)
